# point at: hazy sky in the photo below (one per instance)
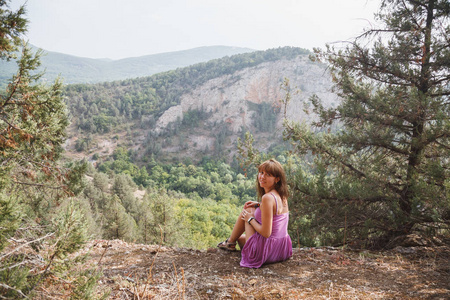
(126, 28)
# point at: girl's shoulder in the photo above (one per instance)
(270, 197)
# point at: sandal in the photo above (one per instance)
(227, 245)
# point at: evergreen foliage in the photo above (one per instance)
(161, 215)
(381, 158)
(39, 225)
(265, 118)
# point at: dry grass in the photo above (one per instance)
(134, 271)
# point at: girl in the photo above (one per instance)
(265, 223)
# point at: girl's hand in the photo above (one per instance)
(252, 204)
(245, 215)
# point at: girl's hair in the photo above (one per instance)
(275, 169)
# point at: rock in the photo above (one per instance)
(275, 293)
(404, 250)
(410, 240)
(231, 100)
(238, 291)
(252, 281)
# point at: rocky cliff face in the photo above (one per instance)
(230, 105)
(228, 99)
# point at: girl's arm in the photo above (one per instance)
(265, 229)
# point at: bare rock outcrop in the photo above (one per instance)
(226, 98)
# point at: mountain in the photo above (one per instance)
(197, 111)
(75, 69)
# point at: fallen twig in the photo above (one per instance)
(11, 288)
(30, 242)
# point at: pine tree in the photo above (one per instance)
(165, 227)
(146, 222)
(119, 224)
(33, 181)
(33, 116)
(382, 156)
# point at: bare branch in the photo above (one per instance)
(11, 288)
(21, 246)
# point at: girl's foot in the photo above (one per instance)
(227, 245)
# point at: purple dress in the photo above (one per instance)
(259, 250)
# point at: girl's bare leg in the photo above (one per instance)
(239, 228)
(249, 231)
(241, 241)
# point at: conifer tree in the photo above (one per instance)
(165, 228)
(33, 120)
(382, 156)
(33, 116)
(119, 224)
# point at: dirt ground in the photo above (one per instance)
(132, 271)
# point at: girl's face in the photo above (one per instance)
(266, 180)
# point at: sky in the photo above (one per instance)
(118, 29)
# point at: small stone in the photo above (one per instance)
(404, 250)
(252, 282)
(275, 293)
(238, 291)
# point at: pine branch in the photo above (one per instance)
(441, 94)
(382, 144)
(17, 265)
(442, 145)
(348, 165)
(9, 124)
(38, 185)
(14, 85)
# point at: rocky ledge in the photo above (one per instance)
(136, 271)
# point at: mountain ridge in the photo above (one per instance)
(74, 69)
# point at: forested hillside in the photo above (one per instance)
(222, 99)
(75, 69)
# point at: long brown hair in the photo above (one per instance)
(275, 169)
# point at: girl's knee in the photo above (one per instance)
(251, 210)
